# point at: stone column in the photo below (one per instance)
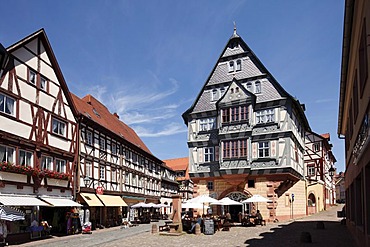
(176, 218)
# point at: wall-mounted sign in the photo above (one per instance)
(99, 190)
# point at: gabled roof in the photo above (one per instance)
(91, 108)
(179, 164)
(258, 63)
(41, 34)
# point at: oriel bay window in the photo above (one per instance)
(263, 149)
(207, 124)
(235, 148)
(235, 114)
(265, 116)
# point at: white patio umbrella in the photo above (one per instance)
(10, 214)
(193, 205)
(140, 205)
(226, 201)
(257, 199)
(153, 205)
(203, 199)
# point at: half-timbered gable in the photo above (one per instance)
(244, 126)
(38, 121)
(318, 158)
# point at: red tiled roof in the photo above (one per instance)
(326, 136)
(99, 113)
(179, 164)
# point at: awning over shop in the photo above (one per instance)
(61, 202)
(21, 201)
(133, 199)
(112, 201)
(92, 200)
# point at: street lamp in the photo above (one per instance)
(331, 171)
(86, 181)
(4, 58)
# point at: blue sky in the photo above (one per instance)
(148, 60)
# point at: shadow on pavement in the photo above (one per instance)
(323, 233)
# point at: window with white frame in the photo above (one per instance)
(32, 77)
(43, 83)
(231, 66)
(114, 149)
(46, 163)
(257, 87)
(60, 166)
(206, 124)
(208, 154)
(6, 154)
(127, 178)
(102, 172)
(263, 149)
(238, 65)
(7, 104)
(102, 143)
(89, 137)
(114, 175)
(25, 158)
(265, 116)
(249, 86)
(58, 127)
(316, 146)
(311, 170)
(215, 95)
(88, 169)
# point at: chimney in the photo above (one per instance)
(89, 99)
(116, 115)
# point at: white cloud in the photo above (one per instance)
(319, 101)
(170, 129)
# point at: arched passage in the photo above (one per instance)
(311, 202)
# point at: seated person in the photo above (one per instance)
(259, 218)
(193, 224)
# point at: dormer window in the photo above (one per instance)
(258, 87)
(238, 65)
(96, 112)
(215, 95)
(231, 66)
(249, 86)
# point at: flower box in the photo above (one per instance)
(57, 182)
(14, 177)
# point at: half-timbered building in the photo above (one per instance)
(319, 159)
(246, 136)
(38, 134)
(116, 167)
(169, 188)
(186, 185)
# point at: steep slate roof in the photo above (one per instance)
(88, 106)
(252, 67)
(179, 164)
(41, 34)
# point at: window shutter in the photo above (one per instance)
(217, 153)
(200, 155)
(254, 150)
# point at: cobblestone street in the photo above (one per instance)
(274, 234)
